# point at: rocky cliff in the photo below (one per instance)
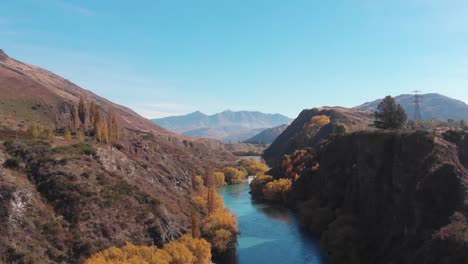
(388, 197)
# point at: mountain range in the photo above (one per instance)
(225, 126)
(267, 136)
(432, 105)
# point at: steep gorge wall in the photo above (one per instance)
(384, 197)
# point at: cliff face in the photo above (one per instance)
(299, 135)
(388, 198)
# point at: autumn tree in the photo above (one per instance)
(253, 167)
(82, 110)
(258, 184)
(80, 135)
(221, 230)
(319, 120)
(234, 175)
(105, 132)
(180, 253)
(112, 123)
(185, 250)
(277, 190)
(196, 233)
(75, 119)
(101, 131)
(93, 111)
(34, 130)
(67, 134)
(219, 178)
(200, 248)
(205, 194)
(390, 115)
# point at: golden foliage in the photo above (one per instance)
(220, 228)
(131, 254)
(257, 185)
(180, 253)
(277, 190)
(200, 248)
(80, 135)
(233, 175)
(101, 130)
(253, 167)
(185, 250)
(199, 180)
(113, 123)
(219, 178)
(67, 134)
(319, 120)
(196, 232)
(201, 199)
(38, 131)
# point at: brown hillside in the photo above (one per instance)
(301, 134)
(61, 201)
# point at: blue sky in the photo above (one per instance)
(176, 56)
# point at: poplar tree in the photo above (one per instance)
(82, 110)
(97, 124)
(196, 233)
(211, 185)
(113, 124)
(76, 120)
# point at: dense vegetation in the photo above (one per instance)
(185, 250)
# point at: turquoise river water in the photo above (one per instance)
(268, 234)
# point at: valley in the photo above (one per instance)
(86, 180)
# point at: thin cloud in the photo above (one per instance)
(74, 8)
(158, 110)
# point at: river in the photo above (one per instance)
(268, 234)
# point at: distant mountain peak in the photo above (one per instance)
(226, 126)
(197, 113)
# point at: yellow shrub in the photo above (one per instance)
(319, 120)
(277, 190)
(201, 199)
(185, 250)
(258, 184)
(252, 166)
(180, 253)
(234, 175)
(200, 248)
(221, 230)
(220, 178)
(199, 180)
(131, 254)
